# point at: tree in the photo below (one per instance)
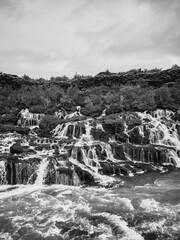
(163, 97)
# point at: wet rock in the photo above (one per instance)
(156, 155)
(56, 150)
(9, 158)
(135, 137)
(79, 155)
(176, 117)
(178, 153)
(112, 168)
(23, 131)
(101, 153)
(79, 130)
(40, 147)
(121, 137)
(119, 152)
(70, 131)
(84, 175)
(73, 119)
(19, 171)
(28, 150)
(178, 130)
(58, 174)
(42, 133)
(12, 128)
(145, 140)
(100, 135)
(113, 126)
(16, 148)
(133, 123)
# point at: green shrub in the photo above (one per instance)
(48, 123)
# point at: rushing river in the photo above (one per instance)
(149, 211)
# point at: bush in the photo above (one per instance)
(163, 97)
(48, 123)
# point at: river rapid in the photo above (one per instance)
(132, 211)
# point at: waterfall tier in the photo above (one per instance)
(93, 151)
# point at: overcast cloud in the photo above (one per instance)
(44, 38)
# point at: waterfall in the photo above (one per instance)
(71, 130)
(160, 113)
(99, 126)
(108, 149)
(91, 150)
(91, 159)
(2, 173)
(61, 130)
(29, 119)
(41, 172)
(163, 132)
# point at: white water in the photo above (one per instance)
(29, 119)
(94, 213)
(41, 172)
(163, 131)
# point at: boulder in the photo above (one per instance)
(133, 122)
(113, 126)
(178, 129)
(40, 147)
(176, 116)
(84, 175)
(135, 137)
(121, 137)
(16, 148)
(119, 152)
(23, 131)
(111, 168)
(100, 135)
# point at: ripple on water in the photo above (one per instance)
(60, 212)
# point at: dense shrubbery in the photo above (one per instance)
(48, 123)
(135, 90)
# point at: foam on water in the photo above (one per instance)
(163, 132)
(150, 205)
(41, 172)
(66, 212)
(78, 213)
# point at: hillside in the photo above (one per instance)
(135, 90)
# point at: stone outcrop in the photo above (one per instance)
(16, 148)
(12, 128)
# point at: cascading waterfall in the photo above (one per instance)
(29, 119)
(72, 130)
(152, 139)
(61, 130)
(2, 173)
(162, 132)
(41, 172)
(160, 113)
(88, 158)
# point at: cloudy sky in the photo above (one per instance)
(44, 38)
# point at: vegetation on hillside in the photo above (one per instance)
(135, 90)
